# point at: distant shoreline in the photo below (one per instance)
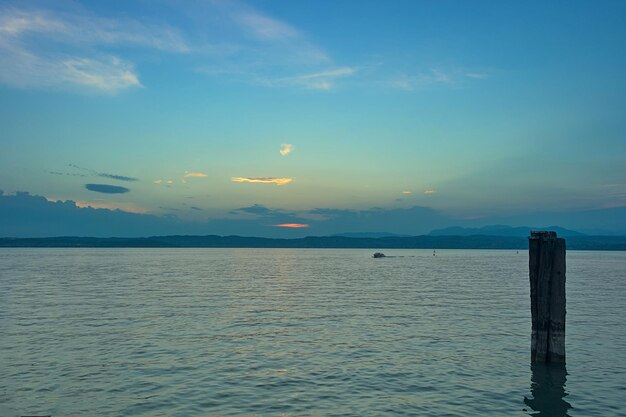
(610, 243)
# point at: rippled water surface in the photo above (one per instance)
(298, 332)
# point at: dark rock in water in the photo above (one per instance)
(378, 255)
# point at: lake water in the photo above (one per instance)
(300, 332)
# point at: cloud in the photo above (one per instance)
(25, 215)
(407, 192)
(77, 50)
(49, 49)
(258, 209)
(430, 191)
(286, 149)
(195, 208)
(330, 212)
(157, 181)
(104, 174)
(277, 214)
(83, 28)
(292, 225)
(323, 80)
(262, 26)
(194, 175)
(107, 189)
(268, 51)
(117, 177)
(67, 174)
(272, 216)
(106, 74)
(274, 41)
(433, 78)
(263, 180)
(421, 80)
(129, 208)
(409, 220)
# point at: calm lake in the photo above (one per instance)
(301, 332)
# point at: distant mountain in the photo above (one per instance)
(501, 230)
(368, 234)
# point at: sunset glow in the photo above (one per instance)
(293, 225)
(264, 180)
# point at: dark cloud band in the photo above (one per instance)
(104, 174)
(107, 189)
(117, 177)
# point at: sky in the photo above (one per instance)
(283, 118)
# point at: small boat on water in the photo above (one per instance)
(379, 255)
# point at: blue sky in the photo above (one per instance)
(476, 111)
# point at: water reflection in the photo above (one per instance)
(548, 390)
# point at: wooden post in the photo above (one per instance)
(547, 296)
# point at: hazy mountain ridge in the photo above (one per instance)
(501, 230)
(369, 234)
(337, 242)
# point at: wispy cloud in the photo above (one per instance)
(87, 29)
(104, 174)
(322, 80)
(272, 52)
(273, 39)
(44, 48)
(430, 191)
(106, 74)
(75, 49)
(66, 174)
(195, 175)
(421, 80)
(433, 78)
(263, 180)
(407, 192)
(286, 149)
(262, 26)
(106, 188)
(293, 225)
(167, 183)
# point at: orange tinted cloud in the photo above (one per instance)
(130, 208)
(286, 149)
(292, 225)
(194, 175)
(264, 180)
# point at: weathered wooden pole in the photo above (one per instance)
(547, 296)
